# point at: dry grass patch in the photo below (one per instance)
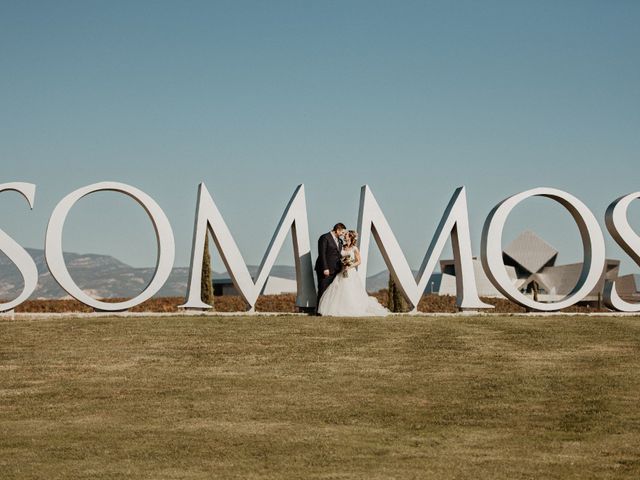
(282, 303)
(308, 397)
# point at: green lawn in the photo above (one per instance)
(309, 397)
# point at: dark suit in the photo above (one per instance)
(329, 258)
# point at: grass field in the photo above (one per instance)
(331, 398)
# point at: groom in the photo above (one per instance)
(329, 261)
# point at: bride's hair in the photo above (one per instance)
(352, 238)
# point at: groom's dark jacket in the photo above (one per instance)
(329, 257)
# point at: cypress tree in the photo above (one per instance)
(391, 297)
(396, 301)
(206, 281)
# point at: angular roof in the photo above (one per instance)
(628, 285)
(531, 252)
(562, 279)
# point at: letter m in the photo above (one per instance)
(209, 219)
(454, 222)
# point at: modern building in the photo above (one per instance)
(628, 287)
(274, 286)
(531, 264)
(484, 285)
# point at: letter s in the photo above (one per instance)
(16, 253)
(619, 228)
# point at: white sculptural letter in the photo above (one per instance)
(209, 219)
(454, 221)
(55, 258)
(619, 228)
(592, 243)
(16, 253)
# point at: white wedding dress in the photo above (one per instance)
(347, 296)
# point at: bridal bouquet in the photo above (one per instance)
(346, 263)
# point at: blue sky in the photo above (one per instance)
(412, 98)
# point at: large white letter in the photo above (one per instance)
(455, 221)
(164, 236)
(16, 253)
(592, 243)
(619, 228)
(209, 219)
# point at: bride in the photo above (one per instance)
(346, 296)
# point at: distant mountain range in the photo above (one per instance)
(104, 276)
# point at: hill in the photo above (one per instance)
(104, 276)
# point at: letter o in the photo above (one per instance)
(592, 243)
(164, 236)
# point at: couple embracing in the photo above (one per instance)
(341, 292)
